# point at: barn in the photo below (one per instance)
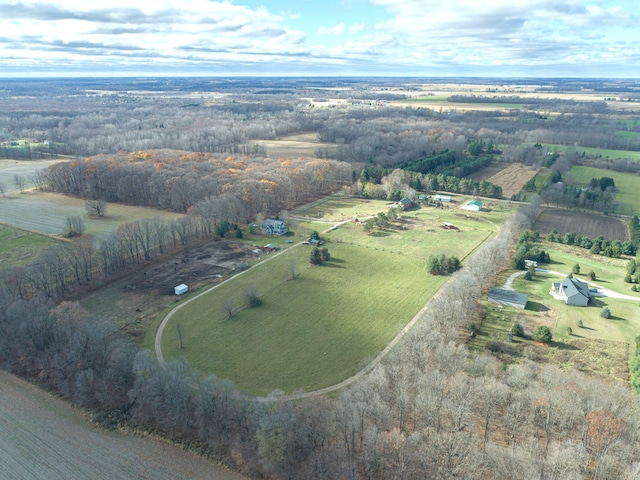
(442, 198)
(473, 205)
(406, 203)
(508, 298)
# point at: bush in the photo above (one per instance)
(627, 279)
(580, 323)
(591, 275)
(569, 331)
(517, 330)
(543, 334)
(605, 312)
(527, 276)
(472, 326)
(251, 297)
(576, 269)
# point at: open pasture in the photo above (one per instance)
(339, 207)
(596, 152)
(587, 224)
(47, 213)
(627, 184)
(19, 247)
(325, 325)
(310, 332)
(25, 169)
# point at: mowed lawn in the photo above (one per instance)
(19, 247)
(627, 184)
(47, 213)
(310, 332)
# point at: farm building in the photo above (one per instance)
(573, 291)
(449, 226)
(180, 289)
(473, 205)
(272, 226)
(405, 203)
(270, 247)
(508, 298)
(442, 198)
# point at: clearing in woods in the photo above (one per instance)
(304, 145)
(511, 177)
(587, 224)
(19, 247)
(44, 437)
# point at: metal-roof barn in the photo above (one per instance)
(508, 298)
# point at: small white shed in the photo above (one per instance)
(180, 289)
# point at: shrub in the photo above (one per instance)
(472, 326)
(527, 276)
(591, 275)
(569, 331)
(605, 312)
(580, 323)
(251, 297)
(517, 330)
(627, 279)
(576, 269)
(543, 334)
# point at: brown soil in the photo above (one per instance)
(44, 437)
(511, 177)
(132, 302)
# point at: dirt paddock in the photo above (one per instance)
(133, 301)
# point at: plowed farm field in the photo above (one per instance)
(511, 177)
(41, 436)
(586, 224)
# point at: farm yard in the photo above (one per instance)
(44, 437)
(511, 177)
(47, 213)
(19, 247)
(323, 326)
(586, 224)
(600, 346)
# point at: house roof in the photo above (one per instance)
(499, 295)
(573, 286)
(406, 201)
(478, 203)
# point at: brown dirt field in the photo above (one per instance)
(132, 302)
(44, 437)
(511, 177)
(302, 145)
(587, 224)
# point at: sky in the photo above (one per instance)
(428, 38)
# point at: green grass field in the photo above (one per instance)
(595, 152)
(310, 332)
(47, 213)
(325, 325)
(19, 247)
(627, 184)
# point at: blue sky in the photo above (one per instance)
(493, 38)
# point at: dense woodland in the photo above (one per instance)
(432, 409)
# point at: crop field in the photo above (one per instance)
(303, 145)
(325, 325)
(627, 184)
(591, 225)
(512, 177)
(47, 213)
(22, 168)
(44, 437)
(19, 247)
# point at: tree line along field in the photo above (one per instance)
(327, 323)
(48, 212)
(591, 225)
(19, 247)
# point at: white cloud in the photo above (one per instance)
(335, 30)
(356, 27)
